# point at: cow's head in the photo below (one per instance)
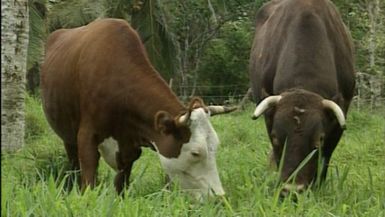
(194, 165)
(302, 121)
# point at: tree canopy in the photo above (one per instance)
(202, 45)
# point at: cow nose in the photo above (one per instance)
(287, 188)
(217, 190)
(216, 193)
(220, 193)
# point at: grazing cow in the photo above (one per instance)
(97, 83)
(302, 77)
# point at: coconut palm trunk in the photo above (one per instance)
(14, 44)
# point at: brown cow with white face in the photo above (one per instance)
(97, 83)
(302, 76)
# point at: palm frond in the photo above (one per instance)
(74, 13)
(160, 44)
(37, 31)
(119, 8)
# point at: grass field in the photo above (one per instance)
(32, 183)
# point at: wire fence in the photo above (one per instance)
(369, 92)
(369, 104)
(214, 94)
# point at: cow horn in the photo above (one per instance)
(265, 104)
(183, 119)
(216, 109)
(336, 110)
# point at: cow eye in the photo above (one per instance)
(320, 142)
(274, 140)
(195, 154)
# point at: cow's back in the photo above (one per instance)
(86, 70)
(301, 44)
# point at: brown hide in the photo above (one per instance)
(303, 52)
(97, 82)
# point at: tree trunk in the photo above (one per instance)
(373, 10)
(14, 44)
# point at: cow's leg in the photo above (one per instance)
(125, 158)
(269, 114)
(72, 154)
(330, 145)
(88, 156)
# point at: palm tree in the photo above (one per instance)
(14, 41)
(150, 22)
(37, 37)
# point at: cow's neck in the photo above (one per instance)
(157, 96)
(150, 95)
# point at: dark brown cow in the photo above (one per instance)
(302, 76)
(97, 83)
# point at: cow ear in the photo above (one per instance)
(338, 99)
(182, 130)
(164, 123)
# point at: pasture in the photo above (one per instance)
(32, 178)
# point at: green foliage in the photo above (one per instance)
(35, 122)
(39, 136)
(356, 16)
(356, 19)
(37, 36)
(201, 43)
(202, 27)
(193, 24)
(73, 13)
(37, 31)
(225, 62)
(118, 8)
(149, 21)
(33, 182)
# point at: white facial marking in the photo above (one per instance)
(195, 168)
(294, 187)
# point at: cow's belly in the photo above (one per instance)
(60, 102)
(108, 150)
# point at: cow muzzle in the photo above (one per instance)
(291, 188)
(218, 191)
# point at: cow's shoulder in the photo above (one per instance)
(62, 40)
(265, 12)
(111, 28)
(56, 36)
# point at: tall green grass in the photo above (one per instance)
(33, 179)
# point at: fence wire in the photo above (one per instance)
(369, 92)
